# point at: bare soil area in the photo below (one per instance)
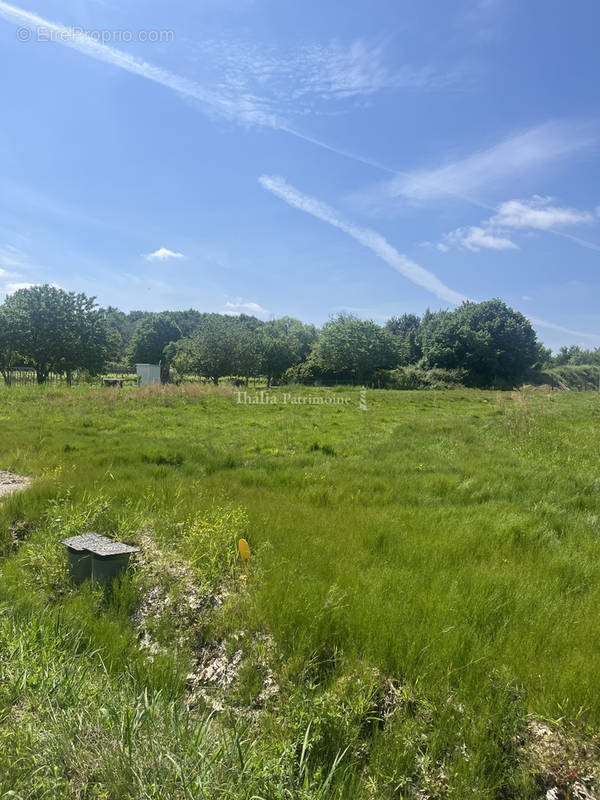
(11, 482)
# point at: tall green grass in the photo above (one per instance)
(428, 570)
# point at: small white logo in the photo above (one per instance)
(362, 403)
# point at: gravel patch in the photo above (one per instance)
(10, 482)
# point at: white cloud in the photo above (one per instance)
(365, 236)
(538, 213)
(510, 157)
(297, 81)
(163, 254)
(245, 305)
(14, 286)
(476, 238)
(336, 71)
(11, 287)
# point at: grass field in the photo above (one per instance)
(425, 582)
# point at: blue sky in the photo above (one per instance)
(283, 157)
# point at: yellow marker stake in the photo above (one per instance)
(244, 549)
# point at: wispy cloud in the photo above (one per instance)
(15, 267)
(337, 71)
(255, 87)
(297, 81)
(163, 254)
(542, 323)
(536, 213)
(375, 242)
(239, 305)
(365, 236)
(475, 238)
(230, 105)
(12, 261)
(11, 258)
(483, 169)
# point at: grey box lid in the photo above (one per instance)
(98, 545)
(85, 542)
(109, 548)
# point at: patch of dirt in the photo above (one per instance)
(566, 767)
(173, 594)
(11, 482)
(172, 591)
(214, 672)
(218, 668)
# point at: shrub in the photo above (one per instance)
(306, 373)
(417, 376)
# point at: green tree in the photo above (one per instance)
(543, 358)
(284, 343)
(151, 336)
(303, 336)
(8, 354)
(575, 355)
(493, 343)
(90, 342)
(354, 348)
(407, 330)
(212, 350)
(248, 351)
(57, 331)
(187, 320)
(277, 354)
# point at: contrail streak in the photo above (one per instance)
(383, 249)
(368, 238)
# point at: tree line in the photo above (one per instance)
(476, 344)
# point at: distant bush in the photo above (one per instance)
(417, 376)
(577, 377)
(307, 372)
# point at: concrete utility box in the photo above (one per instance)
(79, 555)
(109, 560)
(96, 557)
(149, 373)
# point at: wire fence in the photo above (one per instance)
(24, 375)
(27, 375)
